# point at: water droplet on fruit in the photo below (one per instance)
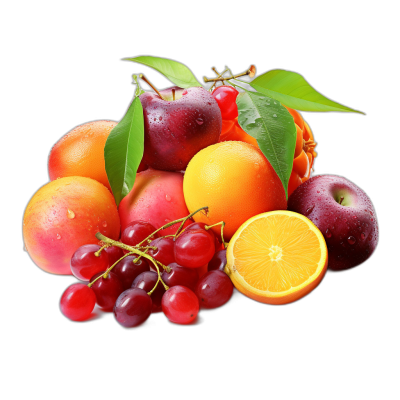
(328, 233)
(256, 166)
(200, 121)
(362, 236)
(160, 118)
(58, 236)
(211, 160)
(274, 115)
(309, 210)
(167, 197)
(355, 217)
(104, 224)
(70, 214)
(342, 243)
(274, 102)
(351, 240)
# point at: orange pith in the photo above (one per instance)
(277, 257)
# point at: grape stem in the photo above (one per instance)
(105, 275)
(97, 253)
(134, 250)
(183, 220)
(251, 72)
(222, 223)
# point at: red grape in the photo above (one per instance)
(107, 290)
(114, 254)
(77, 302)
(136, 232)
(165, 250)
(132, 307)
(218, 262)
(180, 276)
(214, 289)
(180, 305)
(194, 248)
(200, 225)
(226, 99)
(85, 264)
(126, 270)
(146, 281)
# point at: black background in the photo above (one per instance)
(85, 79)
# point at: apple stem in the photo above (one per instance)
(173, 94)
(141, 76)
(341, 199)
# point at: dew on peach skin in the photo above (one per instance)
(70, 214)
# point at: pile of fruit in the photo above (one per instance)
(195, 192)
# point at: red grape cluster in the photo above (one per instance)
(128, 279)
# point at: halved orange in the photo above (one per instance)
(277, 257)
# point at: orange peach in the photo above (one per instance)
(81, 152)
(64, 215)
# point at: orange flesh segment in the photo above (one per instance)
(277, 253)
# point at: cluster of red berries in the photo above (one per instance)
(125, 276)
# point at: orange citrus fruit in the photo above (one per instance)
(235, 181)
(81, 152)
(277, 257)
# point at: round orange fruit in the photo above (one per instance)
(81, 152)
(64, 215)
(235, 181)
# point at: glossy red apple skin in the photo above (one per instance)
(175, 130)
(350, 229)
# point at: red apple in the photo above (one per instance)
(343, 213)
(175, 130)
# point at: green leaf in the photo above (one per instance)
(124, 151)
(176, 72)
(295, 92)
(272, 125)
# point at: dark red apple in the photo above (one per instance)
(343, 213)
(175, 130)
